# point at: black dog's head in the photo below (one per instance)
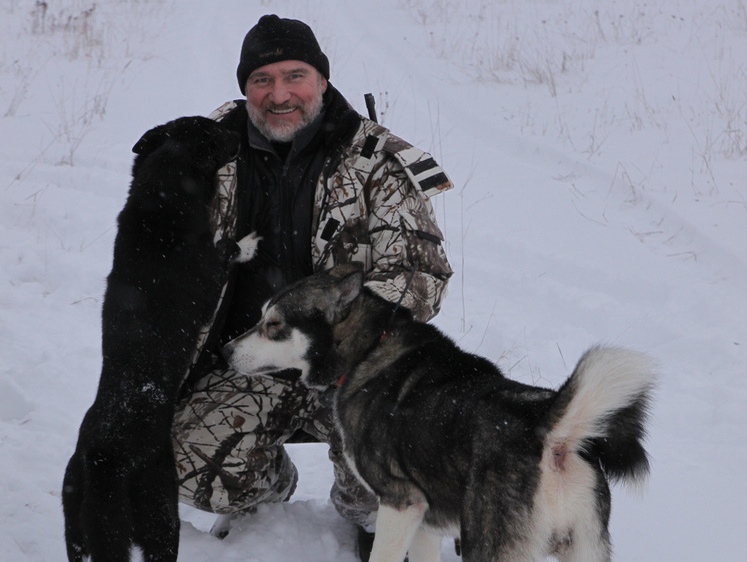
(177, 162)
(204, 143)
(296, 328)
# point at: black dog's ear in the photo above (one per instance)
(150, 140)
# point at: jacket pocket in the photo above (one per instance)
(423, 243)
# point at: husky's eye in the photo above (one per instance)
(272, 327)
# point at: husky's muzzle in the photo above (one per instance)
(288, 374)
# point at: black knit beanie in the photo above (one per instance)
(276, 39)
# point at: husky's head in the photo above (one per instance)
(296, 327)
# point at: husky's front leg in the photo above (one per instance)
(425, 547)
(395, 530)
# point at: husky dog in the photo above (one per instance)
(120, 485)
(449, 445)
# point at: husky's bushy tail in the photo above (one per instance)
(602, 409)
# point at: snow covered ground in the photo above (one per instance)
(599, 152)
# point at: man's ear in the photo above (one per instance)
(150, 140)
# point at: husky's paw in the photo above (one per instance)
(224, 524)
(248, 248)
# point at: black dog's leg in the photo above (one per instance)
(72, 501)
(117, 493)
(105, 513)
(155, 510)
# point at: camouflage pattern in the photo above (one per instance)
(229, 436)
(373, 208)
(382, 218)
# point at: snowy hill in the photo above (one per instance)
(599, 151)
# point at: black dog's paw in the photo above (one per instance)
(244, 250)
(248, 245)
(227, 249)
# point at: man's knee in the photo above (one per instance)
(228, 436)
(264, 475)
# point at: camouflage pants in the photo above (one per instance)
(228, 440)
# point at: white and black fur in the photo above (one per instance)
(120, 486)
(450, 446)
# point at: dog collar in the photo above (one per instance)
(384, 336)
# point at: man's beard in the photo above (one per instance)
(286, 131)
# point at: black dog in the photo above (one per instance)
(120, 486)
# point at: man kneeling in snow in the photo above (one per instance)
(322, 186)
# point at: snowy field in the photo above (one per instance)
(599, 151)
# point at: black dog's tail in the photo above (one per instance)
(601, 411)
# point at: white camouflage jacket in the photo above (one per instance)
(374, 208)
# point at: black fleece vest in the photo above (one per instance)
(276, 194)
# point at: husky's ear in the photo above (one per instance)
(349, 288)
(345, 291)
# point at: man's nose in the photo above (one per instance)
(280, 93)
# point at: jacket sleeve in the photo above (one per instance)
(406, 243)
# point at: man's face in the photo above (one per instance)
(283, 97)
